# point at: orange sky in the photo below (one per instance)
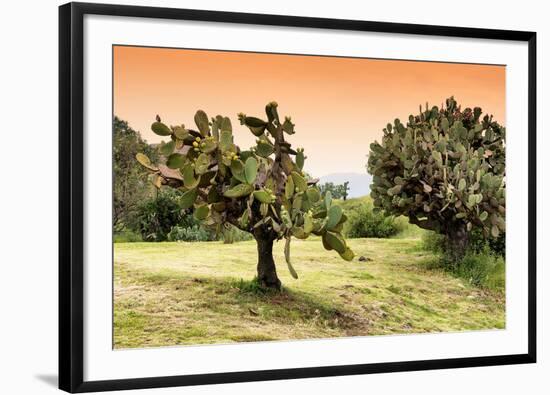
(339, 105)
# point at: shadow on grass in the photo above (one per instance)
(225, 295)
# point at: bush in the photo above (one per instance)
(363, 221)
(130, 186)
(435, 243)
(497, 246)
(233, 234)
(482, 266)
(190, 233)
(482, 269)
(126, 236)
(162, 219)
(407, 230)
(156, 217)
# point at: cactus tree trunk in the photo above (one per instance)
(457, 242)
(267, 273)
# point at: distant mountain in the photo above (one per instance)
(359, 184)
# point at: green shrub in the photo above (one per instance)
(482, 266)
(365, 222)
(435, 243)
(482, 269)
(156, 217)
(233, 235)
(408, 230)
(497, 246)
(189, 233)
(130, 186)
(126, 236)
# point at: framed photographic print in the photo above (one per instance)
(251, 197)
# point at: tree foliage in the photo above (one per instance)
(363, 221)
(155, 217)
(129, 186)
(445, 170)
(262, 190)
(338, 191)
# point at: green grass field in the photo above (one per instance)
(194, 293)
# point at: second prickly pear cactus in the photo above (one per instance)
(445, 170)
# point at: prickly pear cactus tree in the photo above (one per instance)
(262, 190)
(445, 170)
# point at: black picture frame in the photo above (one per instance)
(71, 204)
